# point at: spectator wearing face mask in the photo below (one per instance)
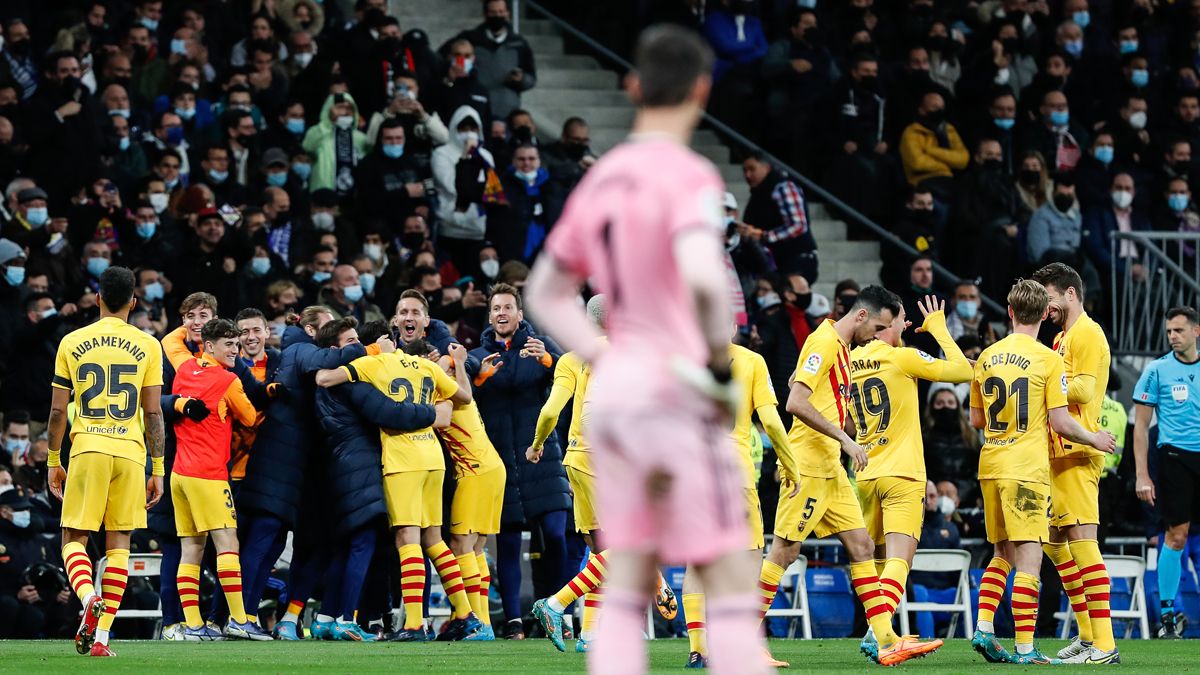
(570, 156)
(282, 234)
(27, 228)
(1178, 213)
(1130, 134)
(534, 204)
(151, 294)
(423, 130)
(35, 341)
(1119, 215)
(1061, 140)
(336, 144)
(462, 172)
(390, 181)
(985, 193)
(968, 316)
(145, 241)
(1095, 171)
(460, 86)
(15, 437)
(215, 173)
(916, 226)
(862, 173)
(932, 154)
(61, 124)
(503, 59)
(344, 296)
(951, 445)
(23, 612)
(1056, 230)
(800, 70)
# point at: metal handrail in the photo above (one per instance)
(1148, 242)
(750, 145)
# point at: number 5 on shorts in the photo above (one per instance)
(808, 507)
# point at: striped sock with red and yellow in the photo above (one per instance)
(483, 611)
(1096, 585)
(229, 572)
(1025, 610)
(1072, 582)
(452, 578)
(588, 580)
(768, 584)
(412, 585)
(892, 582)
(991, 592)
(188, 580)
(79, 570)
(295, 608)
(693, 611)
(112, 589)
(591, 612)
(866, 585)
(470, 573)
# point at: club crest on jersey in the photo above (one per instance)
(812, 364)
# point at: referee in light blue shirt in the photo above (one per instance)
(1171, 386)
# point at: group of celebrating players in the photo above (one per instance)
(654, 475)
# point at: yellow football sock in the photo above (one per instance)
(768, 584)
(112, 586)
(412, 585)
(991, 592)
(591, 612)
(188, 581)
(485, 585)
(452, 578)
(229, 572)
(866, 586)
(1096, 584)
(79, 569)
(470, 573)
(588, 580)
(1072, 583)
(1024, 607)
(693, 611)
(892, 582)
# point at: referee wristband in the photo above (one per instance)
(157, 467)
(54, 459)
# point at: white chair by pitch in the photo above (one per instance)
(794, 582)
(942, 560)
(1127, 567)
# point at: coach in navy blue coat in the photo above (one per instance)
(510, 398)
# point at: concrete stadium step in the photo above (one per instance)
(578, 99)
(563, 78)
(598, 116)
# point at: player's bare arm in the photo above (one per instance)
(56, 427)
(1064, 425)
(155, 442)
(977, 418)
(799, 405)
(444, 409)
(1141, 448)
(458, 356)
(332, 378)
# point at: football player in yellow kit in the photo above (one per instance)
(1075, 470)
(1019, 387)
(886, 415)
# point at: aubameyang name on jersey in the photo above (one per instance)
(108, 341)
(863, 364)
(1008, 359)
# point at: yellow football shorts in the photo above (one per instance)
(583, 487)
(824, 506)
(478, 501)
(103, 489)
(201, 505)
(1075, 490)
(754, 519)
(414, 498)
(1015, 510)
(892, 505)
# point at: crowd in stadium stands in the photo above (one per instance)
(278, 154)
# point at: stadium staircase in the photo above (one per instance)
(576, 85)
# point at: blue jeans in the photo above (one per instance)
(262, 540)
(347, 573)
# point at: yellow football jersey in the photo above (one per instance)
(750, 372)
(406, 378)
(885, 407)
(1018, 381)
(823, 367)
(466, 438)
(571, 377)
(107, 365)
(1084, 349)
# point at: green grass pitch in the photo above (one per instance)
(532, 656)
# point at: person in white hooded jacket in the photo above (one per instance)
(462, 218)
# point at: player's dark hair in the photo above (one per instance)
(371, 331)
(33, 299)
(198, 300)
(1060, 276)
(327, 335)
(669, 59)
(219, 329)
(506, 289)
(249, 313)
(875, 299)
(418, 348)
(1186, 312)
(116, 288)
